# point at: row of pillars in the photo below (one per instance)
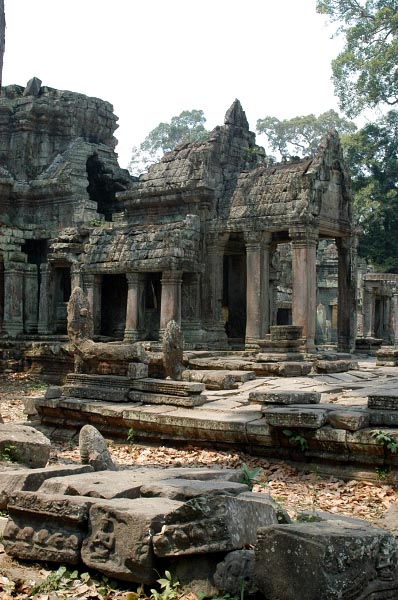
(387, 317)
(258, 251)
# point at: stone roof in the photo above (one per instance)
(149, 247)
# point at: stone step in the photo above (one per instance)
(295, 416)
(183, 401)
(96, 392)
(260, 395)
(383, 400)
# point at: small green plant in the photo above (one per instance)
(169, 588)
(130, 436)
(249, 476)
(96, 223)
(9, 453)
(296, 439)
(383, 474)
(387, 440)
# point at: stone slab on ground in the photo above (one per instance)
(295, 416)
(168, 387)
(212, 379)
(19, 480)
(95, 392)
(185, 489)
(352, 420)
(213, 524)
(24, 444)
(128, 483)
(335, 366)
(267, 396)
(326, 561)
(385, 400)
(190, 401)
(46, 528)
(120, 540)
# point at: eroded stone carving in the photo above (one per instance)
(173, 347)
(93, 450)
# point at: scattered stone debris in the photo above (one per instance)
(93, 450)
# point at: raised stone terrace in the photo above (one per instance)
(319, 417)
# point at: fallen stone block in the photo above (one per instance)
(335, 366)
(326, 561)
(351, 420)
(128, 483)
(295, 416)
(121, 531)
(284, 397)
(383, 418)
(387, 357)
(12, 482)
(185, 489)
(236, 572)
(212, 524)
(383, 400)
(25, 445)
(182, 401)
(93, 450)
(213, 380)
(53, 391)
(168, 387)
(46, 528)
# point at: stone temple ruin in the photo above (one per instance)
(147, 298)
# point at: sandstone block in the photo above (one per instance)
(24, 444)
(284, 397)
(384, 418)
(190, 401)
(335, 366)
(213, 380)
(212, 524)
(325, 561)
(295, 417)
(137, 370)
(46, 528)
(119, 543)
(12, 482)
(383, 400)
(167, 386)
(351, 420)
(53, 391)
(93, 450)
(235, 572)
(185, 489)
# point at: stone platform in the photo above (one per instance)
(336, 424)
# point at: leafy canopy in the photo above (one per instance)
(300, 136)
(365, 73)
(187, 127)
(372, 156)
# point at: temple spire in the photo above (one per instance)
(236, 116)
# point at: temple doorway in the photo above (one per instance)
(113, 305)
(234, 290)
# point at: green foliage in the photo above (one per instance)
(364, 73)
(130, 436)
(388, 440)
(249, 476)
(295, 439)
(300, 136)
(187, 127)
(9, 453)
(169, 588)
(372, 156)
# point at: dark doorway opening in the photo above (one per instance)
(102, 187)
(113, 305)
(153, 292)
(284, 316)
(62, 294)
(234, 290)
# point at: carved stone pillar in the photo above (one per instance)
(92, 288)
(46, 324)
(347, 281)
(368, 312)
(170, 304)
(13, 299)
(394, 317)
(135, 306)
(386, 320)
(31, 299)
(76, 276)
(257, 287)
(1, 296)
(212, 289)
(190, 309)
(304, 242)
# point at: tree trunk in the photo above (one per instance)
(2, 38)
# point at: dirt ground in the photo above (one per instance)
(374, 499)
